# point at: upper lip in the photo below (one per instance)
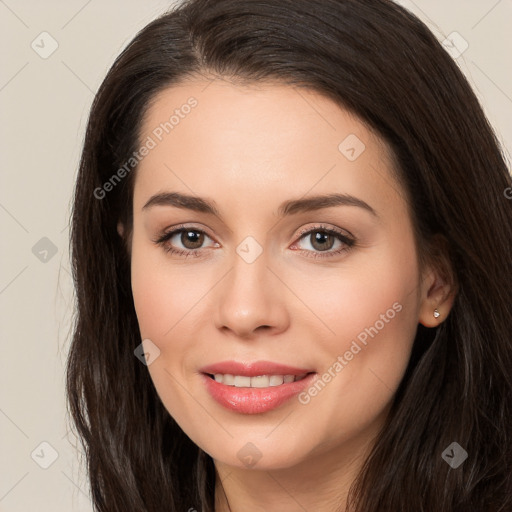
(252, 369)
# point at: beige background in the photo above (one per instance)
(44, 105)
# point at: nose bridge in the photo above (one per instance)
(250, 266)
(248, 280)
(249, 296)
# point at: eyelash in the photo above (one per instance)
(346, 240)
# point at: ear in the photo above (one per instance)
(439, 285)
(120, 229)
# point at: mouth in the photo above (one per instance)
(237, 370)
(256, 381)
(256, 393)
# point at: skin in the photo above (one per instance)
(248, 149)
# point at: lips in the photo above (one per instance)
(253, 369)
(254, 400)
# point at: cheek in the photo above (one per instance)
(374, 315)
(164, 295)
(369, 311)
(374, 292)
(164, 298)
(365, 361)
(373, 337)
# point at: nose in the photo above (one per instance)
(251, 300)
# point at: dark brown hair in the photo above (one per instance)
(379, 61)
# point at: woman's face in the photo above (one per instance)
(327, 287)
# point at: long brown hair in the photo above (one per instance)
(378, 60)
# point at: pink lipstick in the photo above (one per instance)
(252, 388)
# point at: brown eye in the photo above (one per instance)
(321, 240)
(192, 239)
(324, 242)
(183, 241)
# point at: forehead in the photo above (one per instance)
(268, 139)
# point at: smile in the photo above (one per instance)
(267, 393)
(258, 381)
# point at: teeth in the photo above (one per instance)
(242, 382)
(259, 381)
(229, 380)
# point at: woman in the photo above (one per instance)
(291, 246)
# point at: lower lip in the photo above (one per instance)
(255, 400)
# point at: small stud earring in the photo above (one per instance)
(436, 313)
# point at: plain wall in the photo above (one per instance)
(44, 103)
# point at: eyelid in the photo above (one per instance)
(181, 227)
(323, 227)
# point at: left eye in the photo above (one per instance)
(322, 240)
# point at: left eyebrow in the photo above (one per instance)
(290, 207)
(324, 201)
